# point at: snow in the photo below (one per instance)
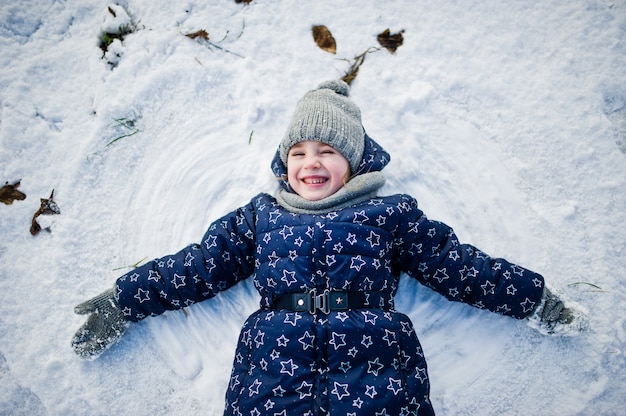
(506, 120)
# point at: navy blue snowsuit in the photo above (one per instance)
(362, 361)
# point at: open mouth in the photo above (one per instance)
(314, 181)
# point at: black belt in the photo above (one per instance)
(326, 301)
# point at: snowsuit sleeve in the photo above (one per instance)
(430, 252)
(196, 273)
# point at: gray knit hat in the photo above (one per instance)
(327, 115)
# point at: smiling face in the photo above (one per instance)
(316, 170)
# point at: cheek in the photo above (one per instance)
(291, 176)
(343, 171)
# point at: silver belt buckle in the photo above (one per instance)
(311, 301)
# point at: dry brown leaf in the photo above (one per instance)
(243, 1)
(203, 34)
(389, 41)
(9, 193)
(48, 207)
(324, 39)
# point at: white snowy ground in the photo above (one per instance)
(505, 119)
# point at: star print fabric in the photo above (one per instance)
(346, 363)
(356, 362)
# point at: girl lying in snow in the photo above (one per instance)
(325, 253)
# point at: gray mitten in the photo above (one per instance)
(554, 316)
(554, 310)
(103, 328)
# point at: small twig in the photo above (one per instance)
(587, 283)
(132, 266)
(224, 49)
(127, 124)
(225, 36)
(204, 35)
(121, 137)
(356, 64)
(250, 138)
(243, 28)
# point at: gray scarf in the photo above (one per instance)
(359, 189)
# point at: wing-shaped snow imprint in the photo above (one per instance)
(14, 398)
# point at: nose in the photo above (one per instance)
(312, 162)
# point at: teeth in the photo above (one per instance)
(315, 181)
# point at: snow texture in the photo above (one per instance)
(506, 120)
